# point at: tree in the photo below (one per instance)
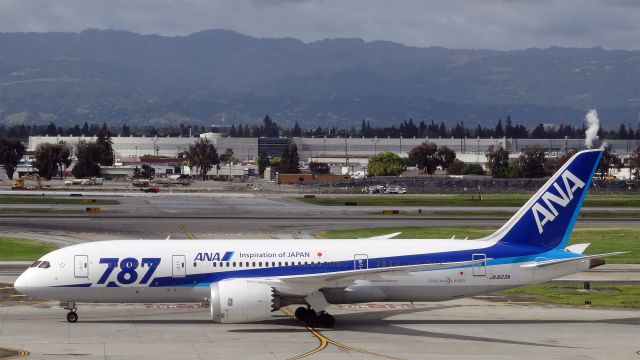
(497, 161)
(456, 167)
(88, 164)
(105, 146)
(319, 167)
(275, 163)
(263, 162)
(634, 164)
(473, 169)
(290, 160)
(126, 131)
(49, 159)
(136, 173)
(11, 151)
(297, 131)
(499, 131)
(425, 158)
(552, 165)
(531, 162)
(445, 156)
(385, 163)
(608, 161)
(227, 157)
(147, 171)
(202, 155)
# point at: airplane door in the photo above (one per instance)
(479, 269)
(360, 261)
(179, 266)
(81, 267)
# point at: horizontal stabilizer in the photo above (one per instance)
(546, 263)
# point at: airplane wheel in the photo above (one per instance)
(301, 312)
(72, 316)
(311, 319)
(326, 320)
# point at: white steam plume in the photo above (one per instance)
(593, 124)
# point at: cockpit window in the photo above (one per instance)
(35, 264)
(44, 265)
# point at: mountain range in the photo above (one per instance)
(223, 77)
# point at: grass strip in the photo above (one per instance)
(53, 201)
(602, 240)
(629, 214)
(12, 248)
(600, 295)
(41, 211)
(511, 200)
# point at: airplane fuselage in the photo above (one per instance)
(150, 271)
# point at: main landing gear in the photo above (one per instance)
(311, 319)
(72, 316)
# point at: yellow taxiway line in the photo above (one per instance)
(325, 341)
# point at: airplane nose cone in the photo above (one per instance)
(21, 284)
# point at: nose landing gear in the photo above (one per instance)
(72, 316)
(309, 317)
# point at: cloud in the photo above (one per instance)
(499, 24)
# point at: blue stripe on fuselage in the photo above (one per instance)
(499, 253)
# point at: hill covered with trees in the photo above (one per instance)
(223, 77)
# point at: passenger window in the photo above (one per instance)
(273, 264)
(194, 264)
(240, 264)
(46, 265)
(35, 264)
(260, 264)
(214, 264)
(246, 264)
(254, 264)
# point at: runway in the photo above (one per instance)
(463, 328)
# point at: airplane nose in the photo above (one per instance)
(21, 284)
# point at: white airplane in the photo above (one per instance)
(246, 280)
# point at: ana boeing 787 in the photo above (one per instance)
(246, 280)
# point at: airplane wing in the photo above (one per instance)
(545, 263)
(384, 237)
(305, 284)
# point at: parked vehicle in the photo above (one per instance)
(92, 181)
(140, 183)
(150, 189)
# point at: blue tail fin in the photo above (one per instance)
(547, 219)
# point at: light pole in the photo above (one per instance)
(155, 147)
(324, 144)
(375, 144)
(400, 152)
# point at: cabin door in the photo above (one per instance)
(479, 269)
(179, 266)
(360, 261)
(81, 267)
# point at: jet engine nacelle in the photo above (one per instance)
(240, 300)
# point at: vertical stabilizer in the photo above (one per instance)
(547, 219)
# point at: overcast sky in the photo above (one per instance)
(496, 24)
